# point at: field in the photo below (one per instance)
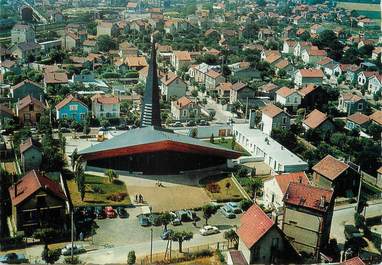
(227, 143)
(98, 198)
(370, 10)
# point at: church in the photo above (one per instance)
(152, 149)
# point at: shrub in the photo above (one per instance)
(46, 234)
(202, 253)
(131, 258)
(220, 255)
(213, 187)
(117, 197)
(75, 260)
(97, 189)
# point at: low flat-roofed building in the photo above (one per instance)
(264, 148)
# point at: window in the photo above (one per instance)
(114, 107)
(82, 116)
(31, 107)
(73, 107)
(275, 242)
(64, 115)
(101, 107)
(295, 100)
(360, 106)
(284, 120)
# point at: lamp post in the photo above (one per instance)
(151, 240)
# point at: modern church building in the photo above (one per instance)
(152, 149)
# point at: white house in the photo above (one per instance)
(288, 46)
(272, 117)
(104, 106)
(184, 109)
(375, 84)
(263, 148)
(173, 87)
(312, 55)
(308, 76)
(364, 76)
(300, 46)
(180, 59)
(275, 188)
(288, 97)
(213, 79)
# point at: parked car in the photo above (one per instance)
(144, 220)
(13, 258)
(209, 230)
(234, 206)
(77, 249)
(203, 123)
(155, 219)
(122, 212)
(191, 123)
(100, 213)
(185, 215)
(175, 219)
(110, 213)
(166, 234)
(177, 124)
(227, 212)
(89, 212)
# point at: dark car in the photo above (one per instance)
(191, 123)
(144, 220)
(100, 213)
(122, 212)
(89, 212)
(155, 219)
(13, 258)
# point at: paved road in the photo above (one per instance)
(341, 217)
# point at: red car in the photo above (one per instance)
(110, 213)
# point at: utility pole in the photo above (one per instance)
(151, 245)
(72, 232)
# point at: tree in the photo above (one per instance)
(165, 219)
(212, 139)
(104, 123)
(374, 131)
(245, 204)
(180, 237)
(131, 258)
(285, 137)
(86, 129)
(74, 158)
(231, 236)
(256, 184)
(111, 174)
(81, 186)
(233, 143)
(44, 125)
(50, 256)
(105, 43)
(208, 211)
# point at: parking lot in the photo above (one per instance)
(116, 232)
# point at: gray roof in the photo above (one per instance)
(147, 135)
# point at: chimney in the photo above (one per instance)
(286, 196)
(15, 189)
(300, 179)
(322, 201)
(166, 77)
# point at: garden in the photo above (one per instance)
(221, 188)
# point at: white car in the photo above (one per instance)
(209, 230)
(77, 249)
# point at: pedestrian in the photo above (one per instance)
(81, 236)
(136, 197)
(142, 198)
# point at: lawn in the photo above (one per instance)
(227, 143)
(98, 198)
(219, 184)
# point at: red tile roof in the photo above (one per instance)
(27, 101)
(169, 78)
(68, 99)
(307, 196)
(25, 82)
(377, 117)
(283, 180)
(315, 119)
(103, 99)
(237, 257)
(269, 87)
(238, 86)
(285, 91)
(254, 224)
(28, 143)
(359, 118)
(330, 167)
(353, 261)
(317, 73)
(55, 78)
(351, 97)
(32, 182)
(4, 110)
(307, 89)
(225, 86)
(271, 110)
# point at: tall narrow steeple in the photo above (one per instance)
(150, 115)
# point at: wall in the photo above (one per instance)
(31, 159)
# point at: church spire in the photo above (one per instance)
(150, 115)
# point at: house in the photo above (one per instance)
(240, 91)
(275, 188)
(357, 121)
(271, 57)
(331, 173)
(185, 109)
(37, 201)
(29, 110)
(300, 46)
(136, 62)
(164, 52)
(51, 45)
(104, 106)
(312, 55)
(26, 50)
(288, 46)
(375, 84)
(132, 7)
(224, 89)
(285, 66)
(127, 49)
(107, 28)
(364, 77)
(71, 40)
(180, 59)
(30, 154)
(55, 78)
(351, 103)
(366, 23)
(6, 114)
(26, 88)
(260, 239)
(353, 261)
(89, 45)
(57, 17)
(263, 148)
(288, 97)
(351, 72)
(308, 76)
(244, 71)
(213, 79)
(376, 53)
(265, 33)
(212, 34)
(316, 120)
(312, 96)
(272, 117)
(21, 33)
(269, 90)
(376, 117)
(9, 66)
(173, 87)
(307, 217)
(71, 108)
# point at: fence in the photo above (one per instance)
(371, 180)
(175, 255)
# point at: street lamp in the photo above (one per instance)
(151, 240)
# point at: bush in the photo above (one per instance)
(75, 260)
(220, 255)
(46, 234)
(97, 189)
(117, 197)
(131, 258)
(202, 253)
(245, 204)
